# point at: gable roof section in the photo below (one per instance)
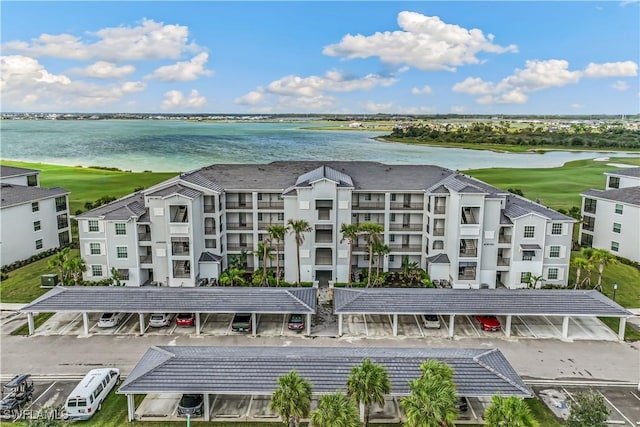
(176, 189)
(325, 172)
(439, 259)
(632, 172)
(629, 195)
(517, 207)
(255, 370)
(201, 180)
(553, 302)
(145, 299)
(121, 209)
(11, 171)
(12, 195)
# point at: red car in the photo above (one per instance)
(489, 323)
(185, 319)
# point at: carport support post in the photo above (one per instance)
(197, 323)
(308, 324)
(339, 325)
(85, 322)
(141, 316)
(507, 327)
(565, 327)
(207, 408)
(31, 323)
(452, 321)
(131, 407)
(621, 328)
(395, 325)
(254, 325)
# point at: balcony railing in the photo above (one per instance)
(239, 226)
(265, 225)
(467, 275)
(504, 238)
(406, 248)
(469, 252)
(180, 273)
(274, 204)
(503, 261)
(400, 205)
(209, 208)
(590, 208)
(239, 246)
(63, 223)
(144, 237)
(438, 231)
(178, 249)
(238, 205)
(367, 205)
(439, 210)
(209, 230)
(146, 259)
(324, 239)
(324, 261)
(405, 227)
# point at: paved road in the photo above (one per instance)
(539, 359)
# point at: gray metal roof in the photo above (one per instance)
(121, 209)
(209, 257)
(630, 195)
(439, 259)
(255, 370)
(188, 192)
(11, 194)
(325, 172)
(551, 302)
(146, 299)
(633, 172)
(516, 207)
(10, 171)
(530, 247)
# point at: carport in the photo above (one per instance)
(143, 300)
(255, 370)
(504, 302)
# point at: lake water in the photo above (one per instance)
(176, 146)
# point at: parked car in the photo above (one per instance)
(109, 320)
(241, 322)
(159, 320)
(489, 323)
(461, 404)
(185, 319)
(296, 322)
(431, 321)
(190, 404)
(15, 393)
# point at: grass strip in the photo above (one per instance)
(38, 321)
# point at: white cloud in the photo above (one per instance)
(25, 82)
(612, 69)
(183, 71)
(577, 106)
(104, 70)
(174, 99)
(148, 40)
(379, 107)
(459, 109)
(425, 42)
(251, 98)
(420, 91)
(620, 85)
(539, 75)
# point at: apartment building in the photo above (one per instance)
(461, 230)
(32, 219)
(611, 217)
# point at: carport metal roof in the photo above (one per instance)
(255, 370)
(530, 302)
(175, 300)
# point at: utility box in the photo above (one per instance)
(48, 280)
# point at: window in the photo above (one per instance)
(556, 229)
(259, 216)
(524, 277)
(93, 225)
(618, 208)
(392, 258)
(392, 238)
(588, 223)
(260, 237)
(123, 273)
(96, 270)
(63, 238)
(63, 221)
(35, 207)
(121, 229)
(586, 240)
(393, 217)
(121, 252)
(393, 197)
(528, 255)
(32, 180)
(94, 248)
(367, 217)
(529, 231)
(614, 182)
(280, 216)
(552, 274)
(554, 251)
(367, 196)
(590, 205)
(259, 196)
(61, 203)
(615, 246)
(39, 244)
(617, 227)
(36, 226)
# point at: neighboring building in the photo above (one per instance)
(32, 219)
(460, 229)
(611, 218)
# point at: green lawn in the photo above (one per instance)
(555, 187)
(89, 184)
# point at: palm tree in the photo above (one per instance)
(58, 262)
(508, 412)
(232, 277)
(432, 397)
(292, 399)
(367, 384)
(277, 232)
(298, 227)
(372, 234)
(380, 249)
(75, 267)
(350, 233)
(601, 258)
(335, 410)
(579, 263)
(264, 253)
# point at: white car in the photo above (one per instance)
(109, 320)
(159, 320)
(431, 321)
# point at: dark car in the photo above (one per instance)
(15, 393)
(296, 322)
(489, 323)
(185, 319)
(241, 322)
(190, 404)
(461, 404)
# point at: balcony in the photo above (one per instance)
(209, 230)
(503, 261)
(504, 238)
(367, 205)
(239, 205)
(271, 204)
(239, 246)
(405, 248)
(438, 231)
(469, 252)
(405, 227)
(180, 249)
(440, 210)
(209, 208)
(239, 226)
(406, 206)
(144, 237)
(146, 259)
(265, 225)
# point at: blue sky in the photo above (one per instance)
(346, 57)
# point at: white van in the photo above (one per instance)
(86, 399)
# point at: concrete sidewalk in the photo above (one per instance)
(10, 306)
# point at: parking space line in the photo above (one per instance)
(580, 326)
(206, 319)
(526, 326)
(471, 407)
(415, 316)
(68, 326)
(284, 322)
(552, 325)
(615, 407)
(473, 325)
(42, 394)
(568, 394)
(635, 395)
(123, 324)
(366, 329)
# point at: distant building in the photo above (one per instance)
(32, 219)
(460, 229)
(611, 217)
